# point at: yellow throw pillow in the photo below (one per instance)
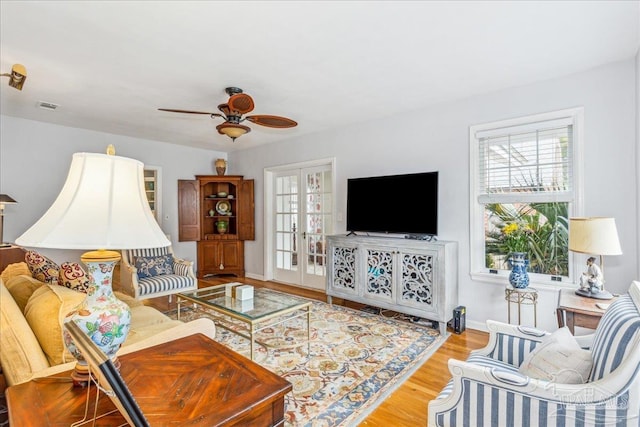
(45, 312)
(21, 288)
(13, 270)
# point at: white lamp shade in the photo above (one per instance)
(596, 235)
(102, 205)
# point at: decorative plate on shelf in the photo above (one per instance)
(223, 207)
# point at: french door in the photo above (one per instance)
(302, 203)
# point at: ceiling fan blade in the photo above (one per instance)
(241, 102)
(171, 110)
(272, 121)
(224, 108)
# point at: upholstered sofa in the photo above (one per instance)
(525, 377)
(31, 313)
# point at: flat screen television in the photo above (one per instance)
(395, 204)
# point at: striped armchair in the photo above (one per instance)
(488, 390)
(160, 279)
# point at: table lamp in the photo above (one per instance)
(596, 236)
(102, 206)
(4, 200)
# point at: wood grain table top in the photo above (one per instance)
(570, 301)
(189, 381)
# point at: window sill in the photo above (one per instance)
(503, 280)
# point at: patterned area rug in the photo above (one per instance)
(357, 359)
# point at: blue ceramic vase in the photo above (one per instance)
(519, 278)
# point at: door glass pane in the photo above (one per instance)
(286, 220)
(318, 220)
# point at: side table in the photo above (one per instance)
(575, 310)
(189, 381)
(526, 296)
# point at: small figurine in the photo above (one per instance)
(592, 280)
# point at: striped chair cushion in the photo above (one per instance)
(167, 282)
(617, 330)
(162, 283)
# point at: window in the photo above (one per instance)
(525, 184)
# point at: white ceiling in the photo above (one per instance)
(326, 64)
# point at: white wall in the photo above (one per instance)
(35, 159)
(437, 139)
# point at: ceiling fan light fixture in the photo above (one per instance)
(232, 130)
(232, 112)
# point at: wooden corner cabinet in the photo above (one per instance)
(217, 211)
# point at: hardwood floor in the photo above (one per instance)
(407, 406)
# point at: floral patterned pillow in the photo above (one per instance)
(42, 268)
(154, 266)
(73, 277)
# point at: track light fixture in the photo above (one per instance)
(17, 76)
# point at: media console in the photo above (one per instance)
(414, 277)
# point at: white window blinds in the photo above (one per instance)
(526, 163)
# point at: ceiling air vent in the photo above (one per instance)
(47, 105)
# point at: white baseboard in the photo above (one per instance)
(254, 276)
(480, 326)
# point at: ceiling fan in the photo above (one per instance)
(239, 103)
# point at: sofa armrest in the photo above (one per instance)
(183, 267)
(199, 326)
(502, 390)
(510, 343)
(128, 283)
(203, 326)
(20, 351)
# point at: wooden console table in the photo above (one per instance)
(575, 310)
(191, 381)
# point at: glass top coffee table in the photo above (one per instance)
(266, 309)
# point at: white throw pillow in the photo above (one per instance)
(558, 358)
